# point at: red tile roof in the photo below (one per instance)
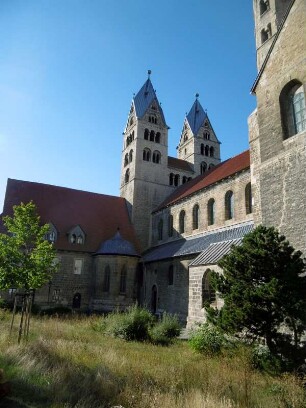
(179, 164)
(218, 173)
(98, 215)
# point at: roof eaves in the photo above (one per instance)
(253, 89)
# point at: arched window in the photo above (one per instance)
(293, 109)
(211, 211)
(122, 288)
(266, 33)
(170, 225)
(206, 150)
(248, 198)
(126, 159)
(195, 217)
(185, 137)
(106, 280)
(206, 133)
(146, 154)
(131, 156)
(211, 151)
(127, 176)
(229, 205)
(131, 121)
(156, 157)
(170, 275)
(171, 179)
(157, 137)
(127, 140)
(160, 229)
(152, 135)
(184, 179)
(263, 6)
(182, 221)
(176, 179)
(202, 149)
(132, 135)
(146, 134)
(208, 293)
(203, 167)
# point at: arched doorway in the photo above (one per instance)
(154, 299)
(76, 302)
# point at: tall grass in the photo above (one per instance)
(68, 364)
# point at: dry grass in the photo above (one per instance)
(68, 364)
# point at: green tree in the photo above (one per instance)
(264, 292)
(26, 257)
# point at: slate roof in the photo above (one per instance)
(196, 117)
(98, 215)
(221, 171)
(144, 99)
(117, 246)
(196, 244)
(179, 164)
(212, 254)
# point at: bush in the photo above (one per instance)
(207, 339)
(57, 310)
(262, 359)
(166, 330)
(132, 325)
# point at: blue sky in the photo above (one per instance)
(69, 68)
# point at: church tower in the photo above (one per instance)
(268, 15)
(199, 144)
(144, 175)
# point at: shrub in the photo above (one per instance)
(57, 310)
(165, 330)
(262, 359)
(207, 339)
(132, 325)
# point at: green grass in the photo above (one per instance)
(68, 364)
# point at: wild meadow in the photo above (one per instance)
(67, 362)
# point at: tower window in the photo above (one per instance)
(146, 134)
(131, 121)
(131, 156)
(195, 217)
(156, 157)
(127, 176)
(176, 180)
(206, 134)
(203, 167)
(293, 109)
(266, 33)
(185, 179)
(171, 179)
(160, 230)
(248, 199)
(185, 137)
(146, 154)
(211, 211)
(170, 225)
(206, 150)
(202, 149)
(152, 136)
(182, 221)
(170, 275)
(229, 205)
(263, 6)
(126, 159)
(157, 137)
(211, 151)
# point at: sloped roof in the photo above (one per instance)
(179, 164)
(196, 244)
(196, 117)
(117, 246)
(98, 215)
(262, 68)
(144, 99)
(215, 251)
(221, 171)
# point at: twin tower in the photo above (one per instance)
(148, 174)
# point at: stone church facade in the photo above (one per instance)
(176, 217)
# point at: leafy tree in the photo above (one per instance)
(26, 257)
(264, 292)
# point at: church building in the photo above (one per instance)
(177, 216)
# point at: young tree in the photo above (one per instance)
(264, 291)
(26, 257)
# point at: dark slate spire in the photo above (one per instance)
(117, 246)
(196, 116)
(144, 99)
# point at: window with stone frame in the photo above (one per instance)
(146, 134)
(156, 157)
(131, 156)
(51, 236)
(293, 109)
(170, 225)
(170, 275)
(127, 176)
(123, 276)
(152, 136)
(211, 211)
(56, 295)
(171, 179)
(248, 198)
(266, 33)
(106, 280)
(182, 222)
(203, 167)
(208, 293)
(263, 6)
(229, 205)
(157, 137)
(176, 180)
(76, 235)
(202, 149)
(126, 159)
(78, 266)
(146, 155)
(211, 151)
(195, 217)
(160, 228)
